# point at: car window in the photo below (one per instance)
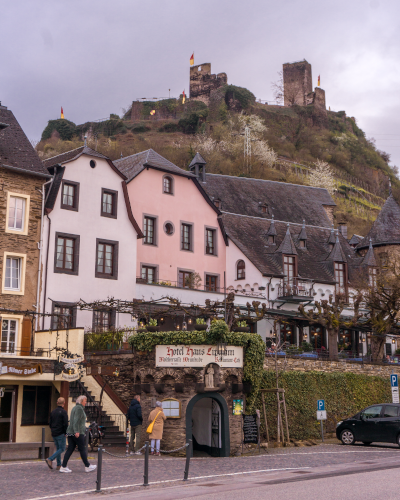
(372, 412)
(391, 411)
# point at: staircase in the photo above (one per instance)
(114, 436)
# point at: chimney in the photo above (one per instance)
(343, 229)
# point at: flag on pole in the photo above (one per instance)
(192, 59)
(62, 113)
(183, 97)
(153, 112)
(319, 81)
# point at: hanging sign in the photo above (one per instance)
(20, 370)
(198, 356)
(237, 408)
(250, 429)
(102, 370)
(71, 370)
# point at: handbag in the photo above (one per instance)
(149, 429)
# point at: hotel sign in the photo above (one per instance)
(198, 356)
(20, 370)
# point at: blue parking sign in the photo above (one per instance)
(321, 403)
(393, 381)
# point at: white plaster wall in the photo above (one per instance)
(89, 225)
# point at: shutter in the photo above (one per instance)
(26, 337)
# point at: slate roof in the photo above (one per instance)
(131, 166)
(303, 232)
(287, 246)
(198, 159)
(287, 202)
(386, 228)
(247, 234)
(337, 254)
(16, 151)
(369, 259)
(355, 239)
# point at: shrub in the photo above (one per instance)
(65, 129)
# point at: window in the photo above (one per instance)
(383, 259)
(171, 408)
(211, 283)
(109, 203)
(390, 411)
(263, 208)
(211, 242)
(149, 230)
(66, 258)
(218, 203)
(149, 274)
(36, 405)
(185, 279)
(9, 330)
(302, 243)
(103, 320)
(186, 237)
(372, 276)
(13, 274)
(70, 195)
(167, 185)
(241, 270)
(169, 228)
(16, 213)
(289, 267)
(373, 412)
(107, 259)
(340, 277)
(271, 239)
(64, 316)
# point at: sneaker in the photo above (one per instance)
(132, 453)
(49, 463)
(138, 453)
(90, 468)
(65, 469)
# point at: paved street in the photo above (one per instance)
(33, 480)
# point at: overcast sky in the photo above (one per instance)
(93, 57)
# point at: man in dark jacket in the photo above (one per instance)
(58, 426)
(135, 419)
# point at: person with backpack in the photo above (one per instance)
(58, 425)
(135, 419)
(156, 428)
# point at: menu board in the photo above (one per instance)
(250, 429)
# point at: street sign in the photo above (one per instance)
(395, 388)
(321, 415)
(321, 404)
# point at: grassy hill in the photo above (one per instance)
(297, 136)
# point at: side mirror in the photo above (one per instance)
(362, 417)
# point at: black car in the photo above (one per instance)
(377, 423)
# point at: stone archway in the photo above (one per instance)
(223, 407)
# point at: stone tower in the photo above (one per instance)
(297, 82)
(202, 82)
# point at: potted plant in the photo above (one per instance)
(241, 327)
(201, 324)
(152, 326)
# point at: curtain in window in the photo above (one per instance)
(13, 273)
(16, 213)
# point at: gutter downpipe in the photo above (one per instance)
(40, 245)
(47, 265)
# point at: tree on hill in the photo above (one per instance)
(65, 129)
(322, 176)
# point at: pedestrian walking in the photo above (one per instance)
(156, 418)
(58, 425)
(135, 419)
(76, 435)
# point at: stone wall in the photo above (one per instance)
(202, 82)
(297, 82)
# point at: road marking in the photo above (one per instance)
(166, 481)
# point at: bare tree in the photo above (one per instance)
(289, 95)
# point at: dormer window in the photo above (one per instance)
(340, 277)
(241, 270)
(302, 243)
(289, 267)
(263, 208)
(271, 239)
(372, 277)
(331, 245)
(168, 185)
(218, 203)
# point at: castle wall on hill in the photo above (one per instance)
(297, 82)
(202, 82)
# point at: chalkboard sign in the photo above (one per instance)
(250, 429)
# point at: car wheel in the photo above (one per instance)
(347, 437)
(367, 443)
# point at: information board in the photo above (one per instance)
(199, 356)
(250, 429)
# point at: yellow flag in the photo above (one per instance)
(62, 113)
(183, 97)
(152, 112)
(192, 59)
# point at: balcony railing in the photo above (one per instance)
(295, 288)
(179, 284)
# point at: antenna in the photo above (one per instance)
(247, 148)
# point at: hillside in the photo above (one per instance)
(285, 142)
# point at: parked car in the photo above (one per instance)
(377, 423)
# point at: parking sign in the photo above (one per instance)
(395, 388)
(393, 381)
(321, 404)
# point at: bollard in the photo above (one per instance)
(87, 440)
(99, 464)
(189, 450)
(146, 465)
(43, 443)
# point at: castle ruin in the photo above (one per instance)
(297, 84)
(202, 82)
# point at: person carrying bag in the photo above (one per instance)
(156, 427)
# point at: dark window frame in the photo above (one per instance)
(242, 268)
(114, 274)
(190, 225)
(206, 279)
(69, 305)
(215, 239)
(111, 320)
(184, 272)
(31, 418)
(171, 180)
(114, 194)
(75, 185)
(155, 226)
(146, 267)
(75, 267)
(287, 265)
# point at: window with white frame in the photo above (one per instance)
(16, 213)
(12, 280)
(171, 408)
(9, 329)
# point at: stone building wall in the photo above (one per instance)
(202, 82)
(297, 82)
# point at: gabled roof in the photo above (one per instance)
(386, 228)
(272, 231)
(332, 237)
(131, 166)
(337, 254)
(16, 151)
(287, 202)
(303, 232)
(248, 235)
(198, 159)
(355, 239)
(74, 154)
(287, 246)
(369, 259)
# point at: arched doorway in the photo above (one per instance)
(207, 416)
